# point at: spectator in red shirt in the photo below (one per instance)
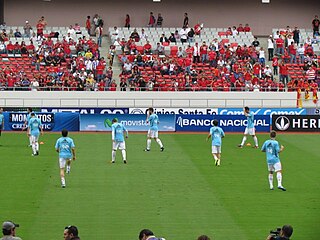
(40, 26)
(280, 45)
(10, 47)
(283, 70)
(147, 48)
(127, 21)
(152, 20)
(292, 49)
(204, 52)
(275, 64)
(241, 29)
(88, 25)
(315, 26)
(247, 28)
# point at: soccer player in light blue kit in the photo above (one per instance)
(66, 149)
(216, 134)
(34, 128)
(1, 120)
(153, 120)
(272, 149)
(250, 130)
(118, 140)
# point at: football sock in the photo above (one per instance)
(279, 178)
(34, 149)
(113, 155)
(37, 146)
(255, 139)
(244, 139)
(148, 143)
(271, 180)
(63, 181)
(159, 142)
(30, 141)
(124, 155)
(215, 157)
(68, 168)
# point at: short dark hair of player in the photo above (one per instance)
(145, 232)
(72, 230)
(273, 134)
(287, 230)
(64, 132)
(215, 122)
(29, 109)
(32, 114)
(246, 109)
(114, 120)
(151, 109)
(203, 237)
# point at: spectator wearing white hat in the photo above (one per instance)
(27, 30)
(9, 231)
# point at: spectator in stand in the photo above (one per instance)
(185, 21)
(197, 29)
(88, 25)
(77, 28)
(270, 48)
(40, 26)
(196, 53)
(308, 50)
(27, 30)
(300, 52)
(296, 35)
(280, 45)
(181, 53)
(163, 38)
(255, 42)
(99, 34)
(275, 64)
(172, 38)
(159, 49)
(3, 49)
(204, 52)
(127, 21)
(143, 35)
(183, 35)
(315, 26)
(3, 35)
(152, 20)
(147, 48)
(283, 71)
(311, 74)
(135, 35)
(114, 34)
(177, 35)
(262, 57)
(159, 20)
(267, 72)
(292, 49)
(240, 28)
(289, 40)
(234, 31)
(123, 85)
(247, 28)
(127, 67)
(17, 33)
(190, 35)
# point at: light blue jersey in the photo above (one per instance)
(216, 135)
(28, 117)
(34, 124)
(250, 119)
(1, 119)
(154, 121)
(272, 149)
(65, 145)
(117, 132)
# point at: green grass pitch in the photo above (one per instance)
(179, 193)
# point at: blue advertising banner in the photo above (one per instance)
(133, 122)
(86, 110)
(263, 111)
(229, 123)
(14, 121)
(313, 111)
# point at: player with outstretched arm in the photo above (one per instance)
(272, 149)
(216, 134)
(153, 120)
(250, 129)
(33, 132)
(118, 140)
(66, 149)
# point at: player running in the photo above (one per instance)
(216, 133)
(33, 132)
(272, 149)
(66, 149)
(153, 120)
(29, 110)
(250, 129)
(1, 120)
(118, 140)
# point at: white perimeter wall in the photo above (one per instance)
(155, 99)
